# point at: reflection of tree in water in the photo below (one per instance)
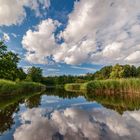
(61, 93)
(115, 102)
(6, 117)
(10, 105)
(33, 101)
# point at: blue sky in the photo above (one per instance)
(69, 36)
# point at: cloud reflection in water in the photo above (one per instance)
(79, 124)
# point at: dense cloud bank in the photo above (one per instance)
(78, 124)
(98, 31)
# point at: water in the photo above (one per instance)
(60, 115)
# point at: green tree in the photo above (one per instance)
(138, 71)
(127, 71)
(21, 74)
(8, 63)
(105, 72)
(133, 71)
(34, 74)
(117, 71)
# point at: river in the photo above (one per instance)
(60, 115)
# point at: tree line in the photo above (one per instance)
(117, 71)
(107, 72)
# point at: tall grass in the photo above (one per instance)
(129, 86)
(10, 87)
(111, 86)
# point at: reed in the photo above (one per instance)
(110, 86)
(9, 87)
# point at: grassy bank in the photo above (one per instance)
(131, 85)
(10, 87)
(74, 87)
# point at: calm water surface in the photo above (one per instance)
(60, 115)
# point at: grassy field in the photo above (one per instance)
(111, 86)
(10, 87)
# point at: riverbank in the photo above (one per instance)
(11, 88)
(110, 86)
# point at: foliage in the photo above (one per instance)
(138, 71)
(34, 74)
(61, 80)
(8, 64)
(117, 71)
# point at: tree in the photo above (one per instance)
(8, 63)
(105, 71)
(21, 74)
(127, 71)
(138, 71)
(133, 71)
(117, 71)
(34, 74)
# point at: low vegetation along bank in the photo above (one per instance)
(107, 86)
(10, 87)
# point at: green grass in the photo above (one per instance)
(72, 87)
(111, 86)
(10, 87)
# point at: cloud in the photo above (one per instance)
(99, 25)
(102, 32)
(79, 124)
(134, 57)
(6, 37)
(12, 12)
(53, 70)
(41, 43)
(83, 68)
(14, 35)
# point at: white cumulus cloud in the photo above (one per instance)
(13, 12)
(41, 42)
(98, 31)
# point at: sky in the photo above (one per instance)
(71, 36)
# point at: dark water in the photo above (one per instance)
(60, 115)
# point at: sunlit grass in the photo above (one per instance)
(128, 86)
(10, 87)
(73, 87)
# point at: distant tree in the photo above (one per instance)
(105, 72)
(117, 71)
(34, 74)
(133, 71)
(127, 71)
(89, 77)
(98, 75)
(138, 71)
